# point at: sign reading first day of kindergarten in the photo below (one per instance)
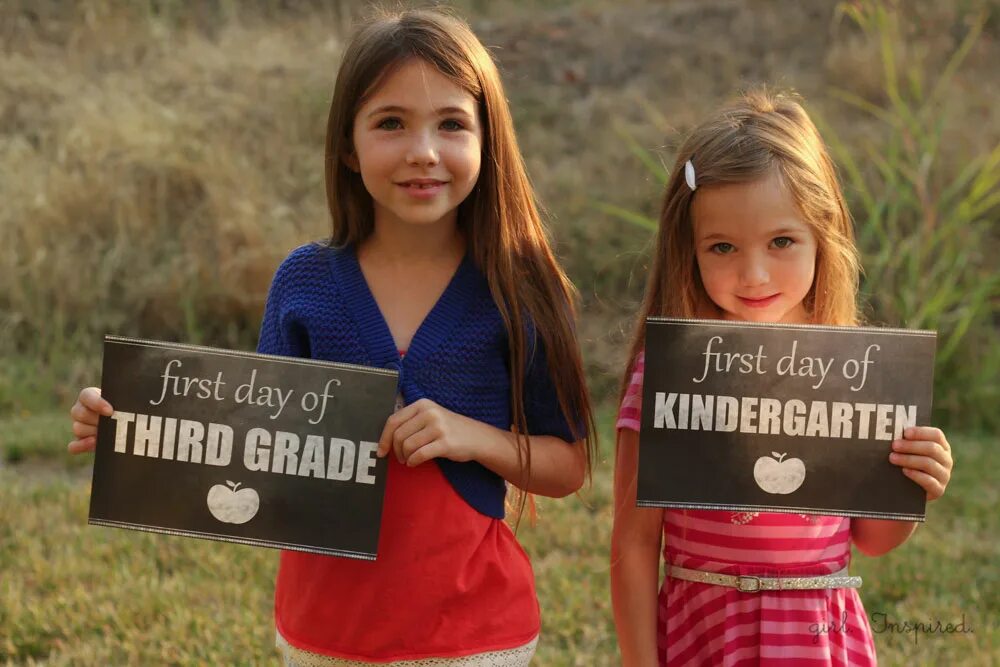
(782, 418)
(256, 449)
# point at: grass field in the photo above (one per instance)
(72, 594)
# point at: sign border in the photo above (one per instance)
(924, 333)
(217, 537)
(302, 361)
(220, 537)
(785, 509)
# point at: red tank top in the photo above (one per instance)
(448, 581)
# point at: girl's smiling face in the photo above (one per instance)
(417, 144)
(755, 254)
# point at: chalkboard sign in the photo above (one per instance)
(782, 418)
(240, 447)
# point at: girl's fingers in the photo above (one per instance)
(923, 448)
(923, 463)
(91, 399)
(405, 433)
(432, 450)
(82, 445)
(394, 421)
(420, 412)
(82, 430)
(383, 439)
(933, 487)
(86, 414)
(83, 414)
(415, 443)
(927, 433)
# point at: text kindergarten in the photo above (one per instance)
(752, 414)
(783, 418)
(193, 425)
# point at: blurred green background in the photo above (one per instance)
(159, 158)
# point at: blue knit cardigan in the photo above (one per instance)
(320, 306)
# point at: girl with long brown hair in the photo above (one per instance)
(438, 266)
(753, 227)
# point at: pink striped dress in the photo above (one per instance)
(705, 624)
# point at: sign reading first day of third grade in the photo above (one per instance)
(784, 418)
(256, 449)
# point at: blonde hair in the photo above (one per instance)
(759, 133)
(500, 219)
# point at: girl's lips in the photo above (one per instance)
(422, 188)
(759, 303)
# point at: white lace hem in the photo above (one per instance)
(519, 656)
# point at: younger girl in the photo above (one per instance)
(439, 267)
(753, 228)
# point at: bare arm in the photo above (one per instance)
(558, 468)
(875, 537)
(635, 560)
(924, 455)
(424, 430)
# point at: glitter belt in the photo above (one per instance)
(752, 584)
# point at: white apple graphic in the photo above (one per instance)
(231, 506)
(779, 476)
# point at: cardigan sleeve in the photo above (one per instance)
(280, 333)
(541, 402)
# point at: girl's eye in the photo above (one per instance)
(722, 248)
(390, 123)
(451, 125)
(782, 242)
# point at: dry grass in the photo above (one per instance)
(158, 195)
(159, 159)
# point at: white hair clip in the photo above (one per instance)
(689, 175)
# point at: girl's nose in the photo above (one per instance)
(422, 151)
(753, 272)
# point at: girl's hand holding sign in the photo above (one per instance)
(86, 412)
(925, 457)
(424, 430)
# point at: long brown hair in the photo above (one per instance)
(757, 134)
(499, 219)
